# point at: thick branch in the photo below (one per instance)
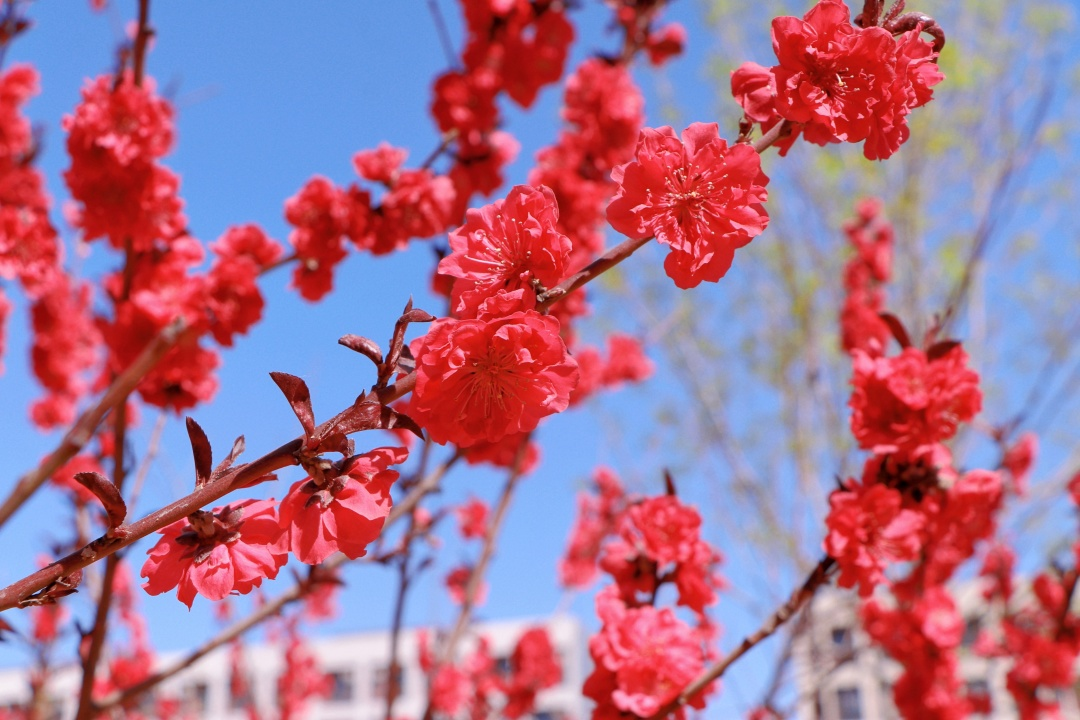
(818, 577)
(88, 422)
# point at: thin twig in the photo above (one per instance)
(99, 633)
(476, 577)
(148, 459)
(142, 41)
(996, 208)
(597, 267)
(817, 578)
(443, 32)
(88, 422)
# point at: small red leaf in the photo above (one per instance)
(367, 348)
(897, 329)
(299, 397)
(368, 416)
(107, 494)
(397, 343)
(200, 448)
(224, 465)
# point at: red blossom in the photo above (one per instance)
(644, 657)
(909, 401)
(215, 554)
(344, 514)
(868, 531)
(696, 195)
(850, 84)
(493, 376)
(473, 518)
(506, 245)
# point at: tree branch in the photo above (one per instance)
(88, 422)
(818, 577)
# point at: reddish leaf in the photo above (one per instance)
(940, 349)
(299, 397)
(224, 465)
(897, 329)
(200, 448)
(367, 348)
(669, 483)
(367, 415)
(397, 343)
(107, 494)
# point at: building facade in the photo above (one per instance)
(840, 675)
(358, 668)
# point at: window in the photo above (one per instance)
(194, 696)
(382, 680)
(972, 626)
(342, 686)
(841, 640)
(848, 699)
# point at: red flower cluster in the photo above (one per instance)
(115, 137)
(696, 195)
(596, 518)
(344, 514)
(838, 82)
(513, 47)
(506, 245)
(478, 684)
(644, 657)
(604, 111)
(416, 204)
(923, 637)
(64, 337)
(492, 376)
(865, 274)
(626, 362)
(911, 401)
(215, 554)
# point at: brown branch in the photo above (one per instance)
(778, 132)
(88, 422)
(99, 632)
(597, 267)
(271, 609)
(476, 577)
(997, 207)
(818, 577)
(142, 41)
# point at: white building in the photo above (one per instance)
(357, 664)
(840, 675)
